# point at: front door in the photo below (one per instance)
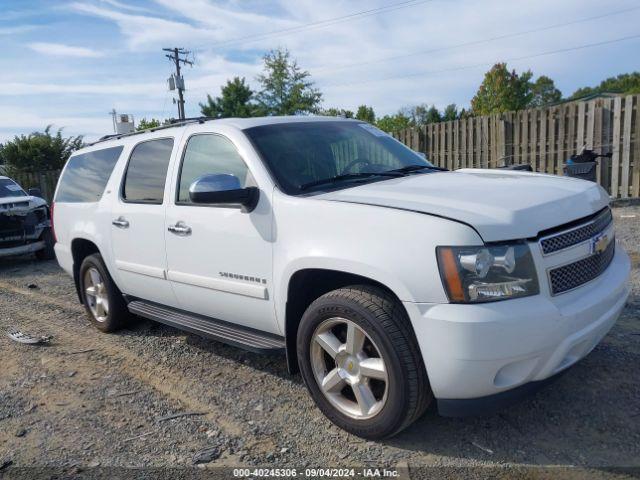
(137, 223)
(219, 257)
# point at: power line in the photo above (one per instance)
(484, 64)
(475, 42)
(178, 56)
(319, 24)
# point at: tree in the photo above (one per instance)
(286, 89)
(450, 113)
(145, 124)
(628, 83)
(502, 91)
(464, 113)
(544, 91)
(432, 115)
(393, 123)
(366, 114)
(422, 114)
(336, 112)
(236, 100)
(38, 151)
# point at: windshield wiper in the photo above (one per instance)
(413, 168)
(348, 176)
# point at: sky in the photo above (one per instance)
(70, 62)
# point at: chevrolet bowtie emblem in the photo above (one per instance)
(350, 366)
(599, 244)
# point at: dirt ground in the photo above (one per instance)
(92, 401)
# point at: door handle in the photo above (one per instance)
(120, 222)
(180, 229)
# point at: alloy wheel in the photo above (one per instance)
(96, 294)
(349, 368)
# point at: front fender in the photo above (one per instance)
(344, 265)
(395, 248)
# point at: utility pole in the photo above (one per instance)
(178, 55)
(113, 114)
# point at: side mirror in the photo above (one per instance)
(35, 192)
(421, 154)
(223, 189)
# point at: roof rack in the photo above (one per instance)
(171, 124)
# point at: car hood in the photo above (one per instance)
(498, 204)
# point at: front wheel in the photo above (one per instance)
(360, 361)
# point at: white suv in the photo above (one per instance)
(387, 281)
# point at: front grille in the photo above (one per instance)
(577, 235)
(573, 275)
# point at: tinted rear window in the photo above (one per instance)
(86, 175)
(147, 171)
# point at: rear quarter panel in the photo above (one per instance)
(89, 220)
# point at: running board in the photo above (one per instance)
(243, 337)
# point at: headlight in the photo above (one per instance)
(487, 273)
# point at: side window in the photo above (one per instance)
(86, 175)
(147, 171)
(209, 154)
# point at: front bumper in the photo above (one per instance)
(22, 249)
(474, 351)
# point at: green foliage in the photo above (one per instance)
(421, 114)
(336, 112)
(502, 91)
(628, 83)
(583, 92)
(286, 89)
(38, 151)
(464, 113)
(393, 123)
(236, 100)
(543, 92)
(145, 124)
(450, 113)
(366, 114)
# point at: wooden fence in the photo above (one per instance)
(543, 137)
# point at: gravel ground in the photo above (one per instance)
(93, 400)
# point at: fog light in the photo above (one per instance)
(478, 291)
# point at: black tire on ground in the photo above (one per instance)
(118, 314)
(47, 253)
(383, 318)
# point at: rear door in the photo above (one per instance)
(138, 222)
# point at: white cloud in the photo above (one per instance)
(59, 49)
(18, 29)
(124, 6)
(116, 88)
(16, 119)
(149, 32)
(135, 82)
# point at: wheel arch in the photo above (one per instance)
(81, 248)
(306, 285)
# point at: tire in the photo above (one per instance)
(106, 316)
(400, 391)
(47, 253)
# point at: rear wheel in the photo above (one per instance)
(103, 302)
(360, 362)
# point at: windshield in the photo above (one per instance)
(303, 155)
(9, 188)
